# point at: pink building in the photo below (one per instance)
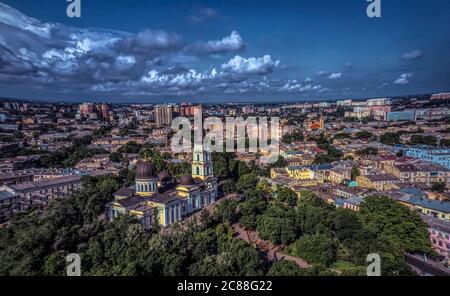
(439, 232)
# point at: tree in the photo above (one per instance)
(400, 225)
(390, 138)
(342, 135)
(115, 157)
(355, 173)
(285, 268)
(293, 137)
(280, 163)
(178, 170)
(423, 140)
(438, 186)
(363, 135)
(130, 147)
(316, 248)
(277, 224)
(229, 187)
(367, 151)
(250, 211)
(323, 159)
(286, 195)
(244, 259)
(264, 187)
(226, 211)
(346, 225)
(247, 181)
(399, 153)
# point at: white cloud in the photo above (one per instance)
(403, 79)
(231, 43)
(190, 78)
(383, 85)
(14, 18)
(335, 76)
(294, 86)
(203, 14)
(412, 55)
(125, 62)
(263, 65)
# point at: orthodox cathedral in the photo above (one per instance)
(151, 194)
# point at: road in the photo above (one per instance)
(272, 251)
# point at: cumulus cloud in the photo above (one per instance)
(383, 85)
(322, 73)
(334, 76)
(16, 19)
(231, 43)
(263, 65)
(403, 79)
(150, 42)
(202, 14)
(412, 55)
(295, 86)
(95, 62)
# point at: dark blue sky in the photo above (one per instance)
(149, 51)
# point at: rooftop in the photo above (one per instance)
(381, 177)
(435, 223)
(431, 204)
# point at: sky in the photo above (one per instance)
(223, 50)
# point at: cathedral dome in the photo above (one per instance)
(186, 180)
(145, 170)
(163, 176)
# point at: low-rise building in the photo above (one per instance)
(8, 204)
(439, 232)
(427, 173)
(433, 208)
(300, 173)
(41, 193)
(439, 156)
(353, 203)
(379, 182)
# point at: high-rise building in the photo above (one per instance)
(440, 96)
(163, 115)
(197, 110)
(379, 102)
(94, 111)
(87, 109)
(104, 110)
(248, 110)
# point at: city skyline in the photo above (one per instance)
(211, 52)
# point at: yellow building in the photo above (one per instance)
(150, 195)
(430, 207)
(380, 182)
(300, 173)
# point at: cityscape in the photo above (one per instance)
(91, 182)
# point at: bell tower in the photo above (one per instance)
(202, 165)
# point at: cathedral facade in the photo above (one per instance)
(151, 202)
